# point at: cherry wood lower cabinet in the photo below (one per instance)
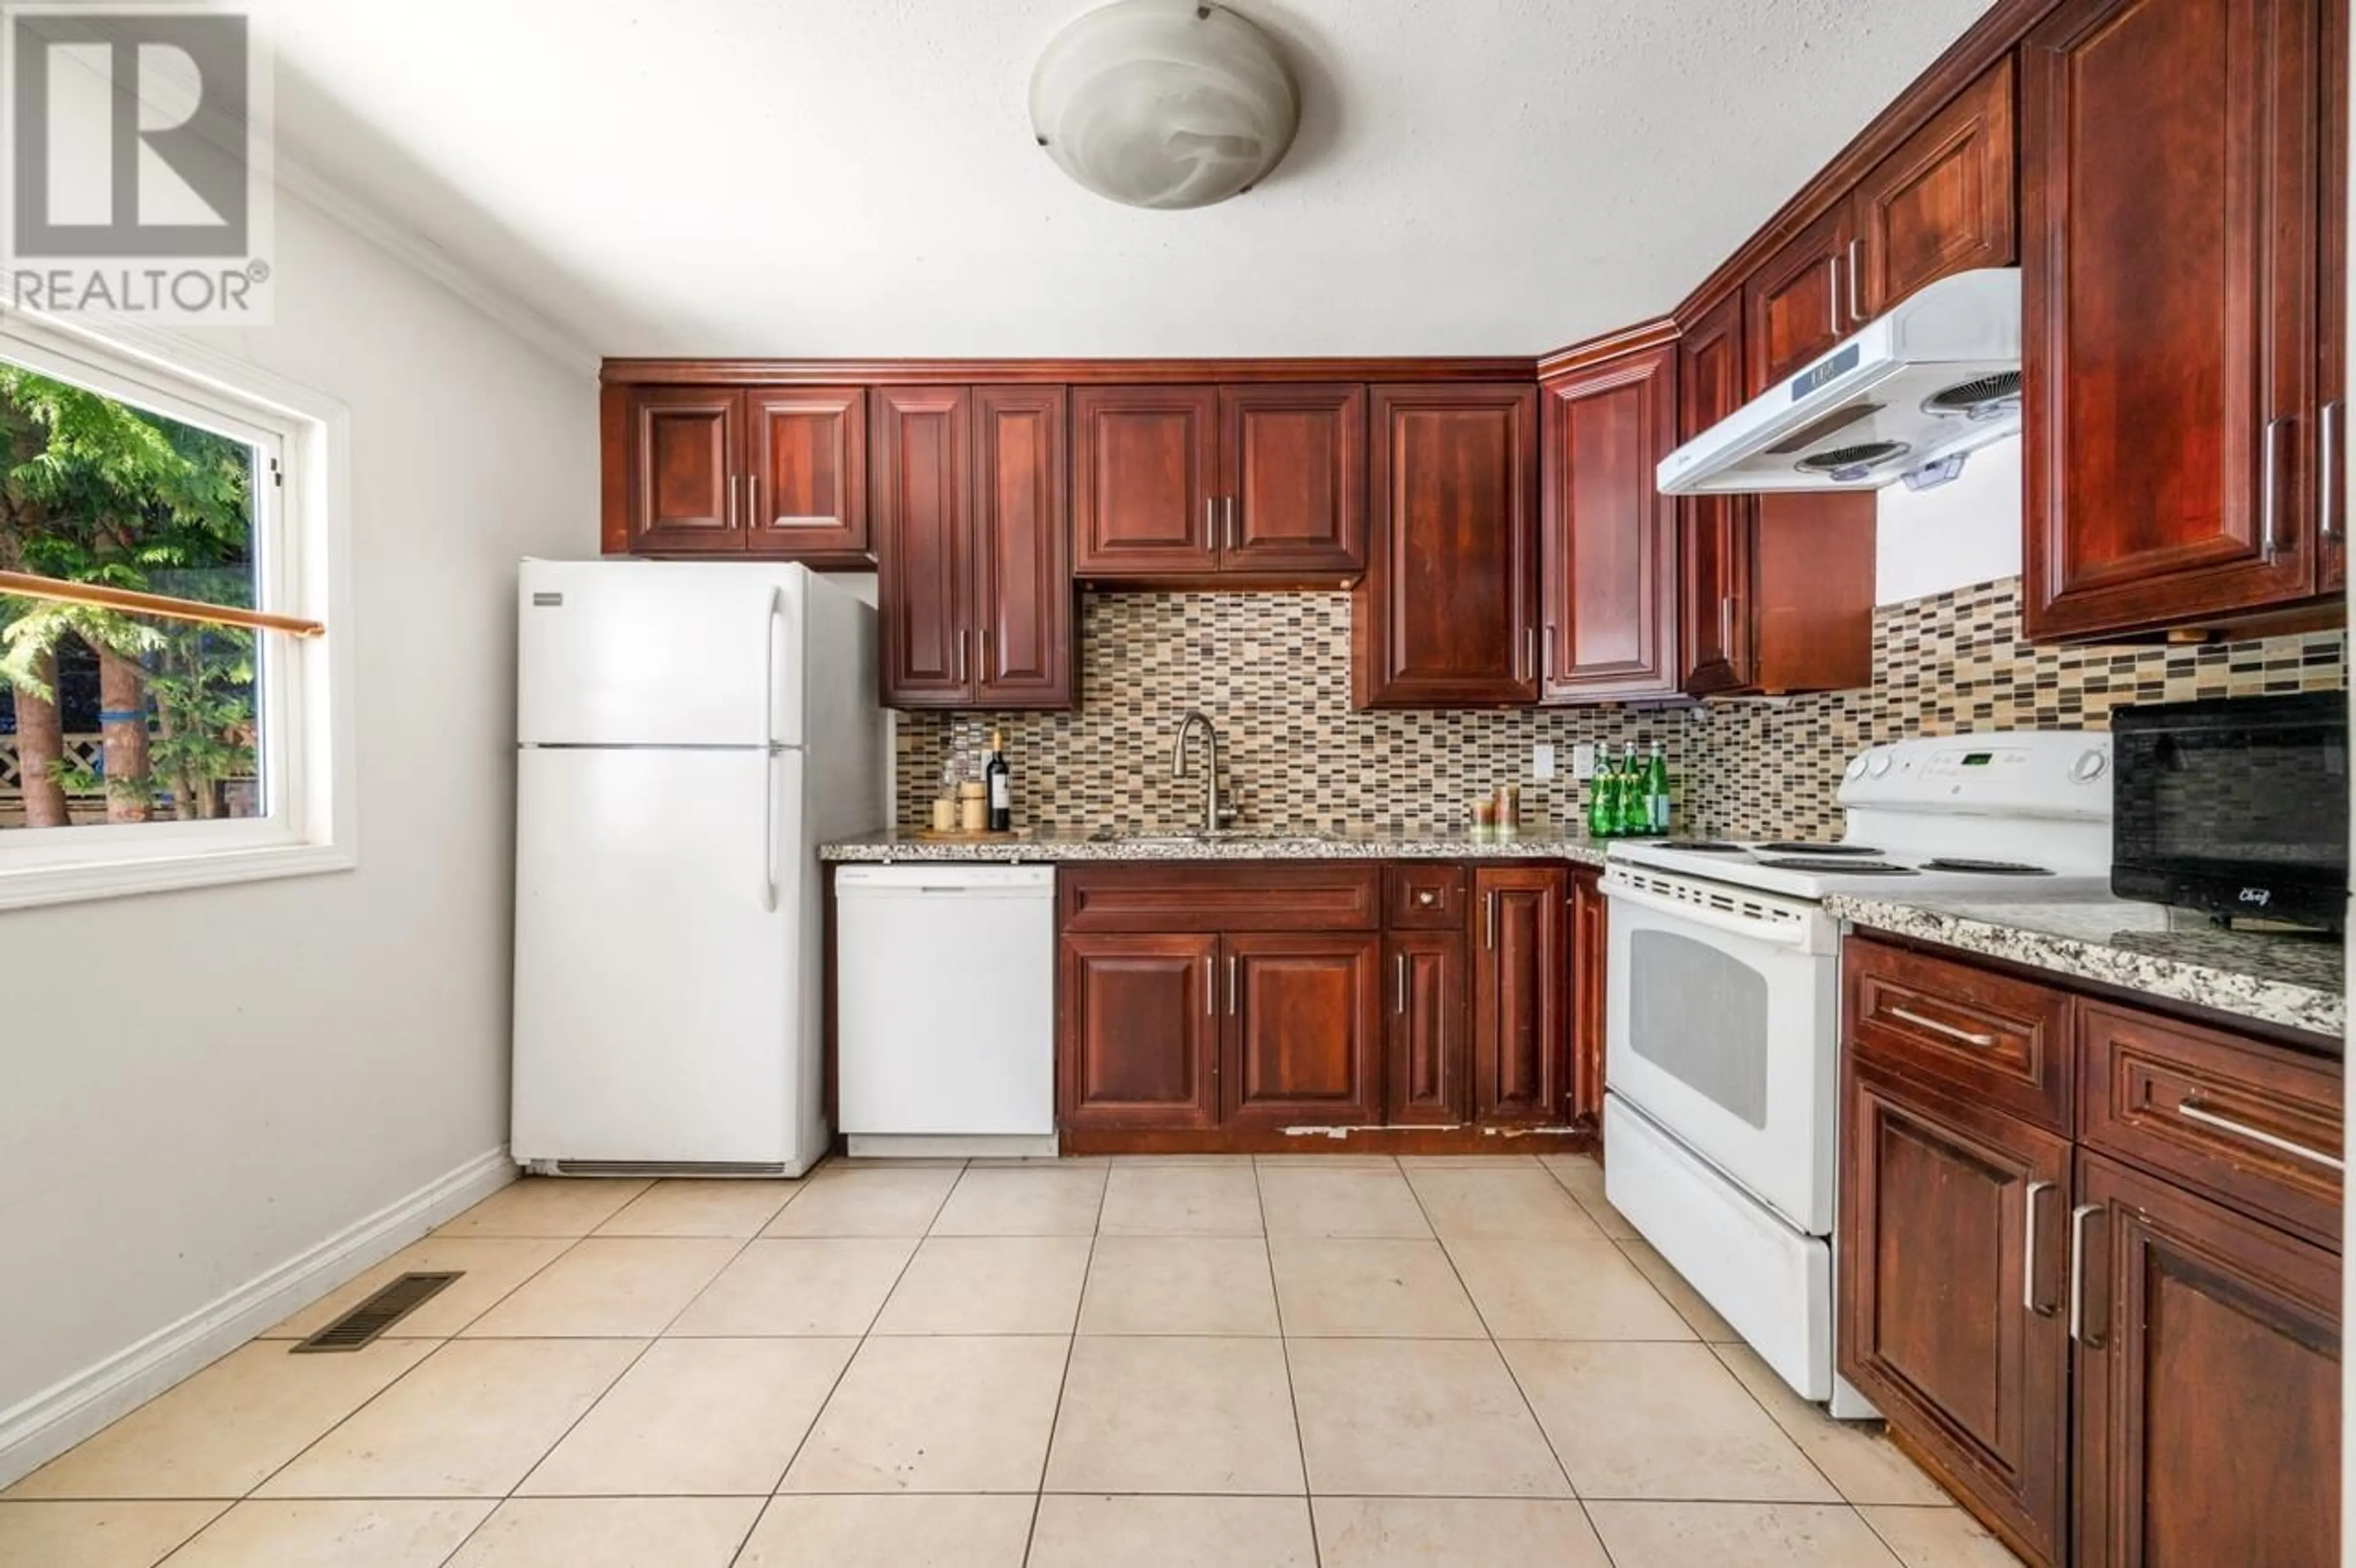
(1139, 1031)
(1303, 1037)
(2120, 1349)
(1425, 1053)
(1521, 979)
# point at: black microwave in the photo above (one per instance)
(2237, 806)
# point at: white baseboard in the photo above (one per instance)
(38, 1429)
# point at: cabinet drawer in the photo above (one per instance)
(1264, 896)
(2253, 1125)
(1424, 897)
(1988, 1035)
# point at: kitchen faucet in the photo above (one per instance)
(1215, 817)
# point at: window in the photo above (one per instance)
(168, 639)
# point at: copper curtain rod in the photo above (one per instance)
(24, 585)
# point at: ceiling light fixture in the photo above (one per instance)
(1165, 104)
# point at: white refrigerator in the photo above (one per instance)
(687, 734)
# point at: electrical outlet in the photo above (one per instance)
(1582, 760)
(1542, 762)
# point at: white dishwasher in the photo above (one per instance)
(945, 1008)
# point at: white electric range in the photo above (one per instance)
(1722, 1039)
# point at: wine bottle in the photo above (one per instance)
(994, 772)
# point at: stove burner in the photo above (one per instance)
(1988, 868)
(1702, 845)
(1845, 869)
(1799, 848)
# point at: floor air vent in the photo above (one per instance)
(378, 1313)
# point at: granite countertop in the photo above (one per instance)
(2294, 980)
(1539, 843)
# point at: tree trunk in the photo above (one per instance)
(40, 744)
(123, 726)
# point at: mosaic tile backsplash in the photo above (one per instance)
(1272, 671)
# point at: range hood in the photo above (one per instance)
(1907, 397)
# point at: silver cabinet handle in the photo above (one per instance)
(964, 637)
(732, 500)
(1235, 524)
(1211, 988)
(1726, 626)
(1231, 985)
(1530, 650)
(2269, 491)
(2191, 1111)
(1950, 1030)
(1833, 296)
(752, 501)
(1856, 292)
(2029, 1250)
(1401, 1007)
(1211, 518)
(1490, 923)
(2327, 472)
(984, 636)
(2078, 1217)
(1552, 645)
(1427, 898)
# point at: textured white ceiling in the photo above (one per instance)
(858, 177)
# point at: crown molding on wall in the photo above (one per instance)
(1067, 371)
(435, 264)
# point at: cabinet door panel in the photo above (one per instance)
(1518, 1013)
(1140, 1032)
(1937, 1214)
(1608, 595)
(2168, 311)
(806, 485)
(2328, 485)
(685, 451)
(1590, 949)
(1292, 481)
(1945, 202)
(924, 507)
(2207, 1380)
(1303, 1030)
(1444, 615)
(1146, 461)
(1714, 610)
(1796, 306)
(1426, 1058)
(1023, 583)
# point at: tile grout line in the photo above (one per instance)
(1284, 1348)
(1063, 1383)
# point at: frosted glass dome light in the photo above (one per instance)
(1165, 104)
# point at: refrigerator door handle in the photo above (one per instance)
(769, 675)
(769, 831)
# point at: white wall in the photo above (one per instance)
(1964, 532)
(197, 1088)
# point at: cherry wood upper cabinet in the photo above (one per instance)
(2331, 312)
(1946, 201)
(1146, 461)
(1943, 1207)
(780, 472)
(1292, 480)
(974, 581)
(806, 479)
(1444, 614)
(683, 456)
(2171, 251)
(1021, 549)
(1713, 609)
(1795, 307)
(1140, 1025)
(1519, 1005)
(1304, 1030)
(2208, 1383)
(1607, 573)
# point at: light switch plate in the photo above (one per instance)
(1582, 760)
(1542, 762)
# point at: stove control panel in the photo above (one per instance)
(2055, 772)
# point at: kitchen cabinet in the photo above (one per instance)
(1188, 485)
(1425, 1053)
(1795, 307)
(1945, 201)
(1139, 1031)
(777, 473)
(1608, 557)
(2088, 1264)
(1303, 1037)
(2176, 242)
(1776, 590)
(1445, 614)
(974, 586)
(1590, 948)
(1521, 973)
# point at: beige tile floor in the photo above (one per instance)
(1225, 1363)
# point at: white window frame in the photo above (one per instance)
(304, 704)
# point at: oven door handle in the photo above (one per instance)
(1779, 934)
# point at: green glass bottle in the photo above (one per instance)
(1603, 803)
(1636, 811)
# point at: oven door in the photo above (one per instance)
(1723, 1029)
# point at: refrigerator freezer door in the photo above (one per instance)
(645, 652)
(659, 927)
